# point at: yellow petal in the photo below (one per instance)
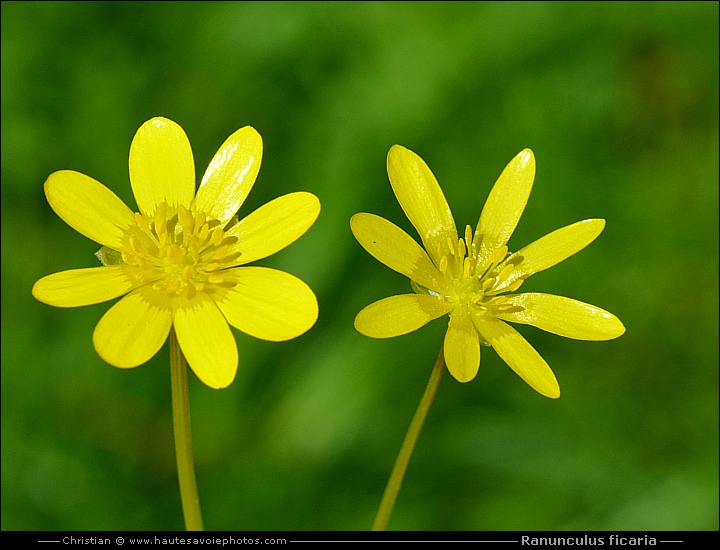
(462, 346)
(422, 200)
(504, 206)
(135, 328)
(162, 168)
(274, 226)
(230, 176)
(518, 354)
(390, 245)
(267, 303)
(564, 316)
(553, 248)
(399, 315)
(89, 207)
(83, 287)
(206, 340)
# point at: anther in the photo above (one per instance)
(203, 233)
(443, 264)
(461, 248)
(466, 266)
(488, 283)
(174, 254)
(451, 246)
(505, 273)
(160, 219)
(514, 286)
(185, 218)
(136, 244)
(220, 253)
(217, 236)
(499, 255)
(142, 223)
(128, 257)
(199, 221)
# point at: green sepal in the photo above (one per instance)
(108, 256)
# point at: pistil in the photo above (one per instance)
(182, 254)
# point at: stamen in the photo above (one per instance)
(443, 264)
(505, 273)
(217, 236)
(180, 255)
(199, 221)
(185, 218)
(461, 248)
(189, 272)
(468, 236)
(203, 233)
(136, 244)
(451, 246)
(514, 286)
(143, 224)
(509, 308)
(231, 257)
(466, 266)
(191, 292)
(220, 252)
(160, 219)
(128, 257)
(194, 250)
(174, 254)
(499, 255)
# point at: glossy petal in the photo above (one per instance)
(134, 329)
(206, 340)
(230, 175)
(553, 248)
(422, 200)
(518, 354)
(504, 206)
(564, 316)
(399, 315)
(274, 226)
(389, 244)
(83, 287)
(268, 304)
(162, 168)
(462, 346)
(89, 207)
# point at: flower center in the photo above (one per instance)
(479, 289)
(181, 252)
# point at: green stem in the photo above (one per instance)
(183, 440)
(401, 463)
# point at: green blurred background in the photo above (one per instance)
(619, 103)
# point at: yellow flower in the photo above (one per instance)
(473, 278)
(177, 259)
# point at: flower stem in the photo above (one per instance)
(401, 463)
(183, 440)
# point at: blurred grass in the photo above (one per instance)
(618, 102)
